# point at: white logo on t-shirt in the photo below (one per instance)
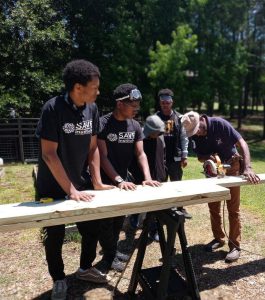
(81, 128)
(126, 137)
(112, 137)
(123, 137)
(219, 141)
(68, 127)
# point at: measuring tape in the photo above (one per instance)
(46, 200)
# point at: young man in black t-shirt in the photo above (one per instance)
(120, 138)
(67, 131)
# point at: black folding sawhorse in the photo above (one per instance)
(161, 283)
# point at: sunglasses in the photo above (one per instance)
(135, 95)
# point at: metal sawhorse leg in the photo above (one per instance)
(160, 283)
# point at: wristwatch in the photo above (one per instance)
(118, 180)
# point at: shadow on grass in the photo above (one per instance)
(208, 278)
(80, 290)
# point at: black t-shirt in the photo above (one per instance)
(171, 135)
(71, 127)
(120, 138)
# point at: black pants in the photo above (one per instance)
(109, 236)
(174, 170)
(53, 241)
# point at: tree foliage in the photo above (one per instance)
(169, 62)
(34, 47)
(152, 43)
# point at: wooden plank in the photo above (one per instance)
(106, 204)
(227, 181)
(92, 215)
(230, 181)
(118, 202)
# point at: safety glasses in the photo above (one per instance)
(135, 95)
(165, 98)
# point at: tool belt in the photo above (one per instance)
(236, 158)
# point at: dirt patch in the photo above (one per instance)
(23, 270)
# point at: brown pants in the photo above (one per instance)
(233, 211)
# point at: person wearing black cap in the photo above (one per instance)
(120, 138)
(67, 121)
(154, 148)
(175, 139)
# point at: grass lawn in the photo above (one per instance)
(17, 183)
(23, 271)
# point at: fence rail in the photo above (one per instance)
(17, 139)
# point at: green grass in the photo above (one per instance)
(252, 196)
(249, 231)
(17, 183)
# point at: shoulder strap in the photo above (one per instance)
(177, 128)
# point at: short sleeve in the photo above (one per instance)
(48, 124)
(102, 126)
(96, 123)
(139, 136)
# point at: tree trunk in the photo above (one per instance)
(246, 93)
(263, 136)
(239, 115)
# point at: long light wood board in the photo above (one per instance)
(116, 203)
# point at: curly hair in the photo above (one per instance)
(167, 92)
(79, 71)
(123, 90)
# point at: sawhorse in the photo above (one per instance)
(160, 283)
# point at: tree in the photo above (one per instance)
(169, 62)
(34, 48)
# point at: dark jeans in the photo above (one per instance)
(53, 241)
(109, 236)
(174, 170)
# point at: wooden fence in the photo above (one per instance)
(17, 140)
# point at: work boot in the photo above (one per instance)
(103, 266)
(232, 256)
(213, 245)
(59, 290)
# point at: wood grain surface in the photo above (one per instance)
(111, 203)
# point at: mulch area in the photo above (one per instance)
(23, 270)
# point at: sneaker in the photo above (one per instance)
(185, 213)
(103, 266)
(92, 274)
(213, 245)
(122, 256)
(59, 290)
(233, 255)
(153, 235)
(117, 265)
